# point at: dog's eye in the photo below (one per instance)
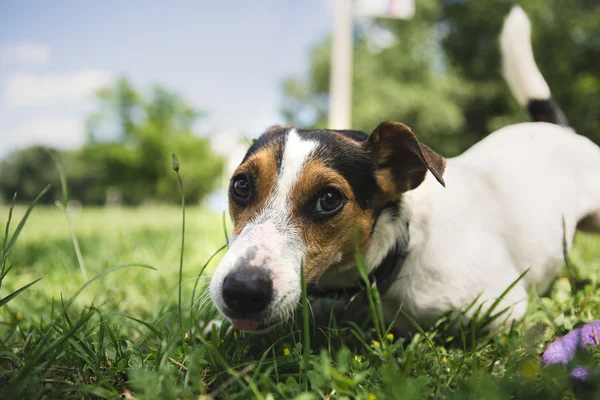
(240, 188)
(330, 201)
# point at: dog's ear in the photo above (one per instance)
(400, 160)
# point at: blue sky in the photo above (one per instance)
(225, 57)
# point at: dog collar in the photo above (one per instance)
(383, 277)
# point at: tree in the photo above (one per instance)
(566, 43)
(26, 172)
(132, 136)
(443, 75)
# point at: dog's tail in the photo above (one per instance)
(521, 72)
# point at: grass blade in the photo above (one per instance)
(19, 228)
(364, 274)
(176, 169)
(63, 177)
(64, 207)
(149, 326)
(422, 332)
(7, 227)
(225, 229)
(3, 256)
(305, 329)
(201, 272)
(485, 317)
(14, 294)
(101, 274)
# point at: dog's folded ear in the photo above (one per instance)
(277, 127)
(401, 161)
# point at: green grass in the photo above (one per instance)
(107, 238)
(121, 335)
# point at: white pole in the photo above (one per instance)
(340, 81)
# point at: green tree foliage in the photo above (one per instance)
(142, 133)
(443, 76)
(131, 137)
(26, 172)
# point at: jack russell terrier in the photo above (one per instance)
(435, 233)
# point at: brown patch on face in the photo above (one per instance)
(261, 167)
(330, 241)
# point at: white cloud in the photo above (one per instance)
(30, 90)
(26, 53)
(48, 130)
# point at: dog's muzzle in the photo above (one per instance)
(247, 291)
(257, 283)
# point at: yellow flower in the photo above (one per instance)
(372, 396)
(286, 352)
(444, 359)
(390, 336)
(374, 343)
(186, 336)
(358, 358)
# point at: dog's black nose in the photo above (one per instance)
(247, 290)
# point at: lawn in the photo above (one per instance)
(126, 335)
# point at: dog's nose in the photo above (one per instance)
(248, 290)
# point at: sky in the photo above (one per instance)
(227, 58)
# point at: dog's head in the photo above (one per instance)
(300, 197)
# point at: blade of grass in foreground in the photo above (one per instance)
(200, 274)
(422, 332)
(486, 318)
(225, 230)
(45, 348)
(176, 166)
(305, 329)
(19, 228)
(14, 294)
(5, 240)
(7, 226)
(364, 274)
(101, 274)
(9, 244)
(63, 206)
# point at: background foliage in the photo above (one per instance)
(443, 76)
(127, 157)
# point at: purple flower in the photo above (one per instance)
(580, 373)
(564, 349)
(590, 334)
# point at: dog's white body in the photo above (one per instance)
(500, 214)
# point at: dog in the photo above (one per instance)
(435, 233)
